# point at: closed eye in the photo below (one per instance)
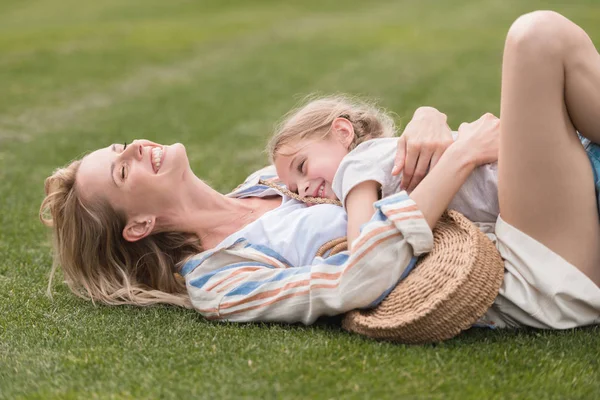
(301, 166)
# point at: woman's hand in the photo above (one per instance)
(425, 139)
(481, 139)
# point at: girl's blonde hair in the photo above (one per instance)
(97, 263)
(314, 119)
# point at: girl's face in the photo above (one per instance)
(307, 167)
(139, 179)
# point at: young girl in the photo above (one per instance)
(324, 149)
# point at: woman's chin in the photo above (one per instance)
(179, 159)
(177, 155)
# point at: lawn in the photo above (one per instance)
(216, 75)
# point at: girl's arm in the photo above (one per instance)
(433, 195)
(436, 191)
(359, 206)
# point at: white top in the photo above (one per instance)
(292, 233)
(373, 160)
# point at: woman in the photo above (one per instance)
(126, 217)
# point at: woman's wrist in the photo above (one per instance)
(464, 155)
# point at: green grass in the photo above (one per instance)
(216, 75)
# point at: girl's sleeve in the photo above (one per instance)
(243, 284)
(370, 161)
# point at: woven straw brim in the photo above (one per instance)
(447, 292)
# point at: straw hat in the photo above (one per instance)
(447, 292)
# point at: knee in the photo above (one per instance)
(538, 33)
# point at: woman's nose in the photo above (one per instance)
(146, 142)
(135, 150)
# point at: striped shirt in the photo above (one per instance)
(242, 280)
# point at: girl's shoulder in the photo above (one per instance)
(255, 185)
(375, 146)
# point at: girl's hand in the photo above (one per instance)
(481, 139)
(425, 139)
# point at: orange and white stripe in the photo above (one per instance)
(272, 291)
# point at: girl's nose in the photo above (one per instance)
(304, 191)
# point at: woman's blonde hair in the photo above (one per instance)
(97, 263)
(313, 119)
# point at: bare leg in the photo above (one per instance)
(550, 84)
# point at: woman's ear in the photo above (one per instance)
(343, 130)
(138, 229)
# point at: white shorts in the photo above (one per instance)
(540, 289)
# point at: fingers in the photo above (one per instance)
(421, 169)
(413, 152)
(426, 135)
(400, 155)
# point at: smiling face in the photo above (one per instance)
(139, 180)
(308, 167)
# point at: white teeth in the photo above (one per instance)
(156, 156)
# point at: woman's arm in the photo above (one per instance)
(244, 284)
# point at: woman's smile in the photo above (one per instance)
(158, 157)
